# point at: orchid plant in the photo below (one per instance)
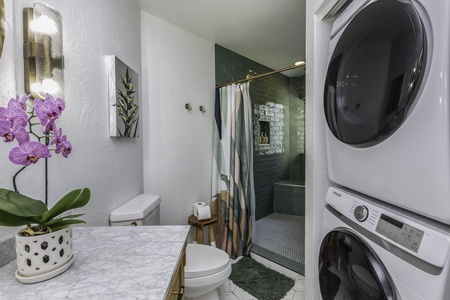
(17, 123)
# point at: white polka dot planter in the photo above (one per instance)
(39, 256)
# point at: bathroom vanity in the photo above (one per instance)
(122, 262)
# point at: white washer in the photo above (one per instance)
(386, 102)
(372, 250)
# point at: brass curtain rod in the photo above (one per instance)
(298, 65)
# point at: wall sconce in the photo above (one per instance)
(43, 51)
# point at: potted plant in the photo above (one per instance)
(44, 246)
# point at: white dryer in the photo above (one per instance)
(372, 250)
(387, 105)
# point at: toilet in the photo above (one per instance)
(206, 267)
(141, 210)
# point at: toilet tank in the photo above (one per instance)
(141, 210)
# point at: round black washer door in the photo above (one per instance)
(374, 73)
(349, 269)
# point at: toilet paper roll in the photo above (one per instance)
(197, 204)
(203, 212)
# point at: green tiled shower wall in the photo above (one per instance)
(286, 198)
(279, 100)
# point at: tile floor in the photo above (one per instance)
(282, 234)
(230, 291)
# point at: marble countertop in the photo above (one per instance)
(119, 262)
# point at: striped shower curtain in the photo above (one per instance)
(232, 182)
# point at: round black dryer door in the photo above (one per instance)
(374, 73)
(349, 269)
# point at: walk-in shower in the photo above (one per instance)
(278, 158)
(280, 226)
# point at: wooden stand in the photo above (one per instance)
(193, 221)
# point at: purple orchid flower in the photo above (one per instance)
(10, 131)
(62, 145)
(45, 110)
(28, 152)
(5, 131)
(57, 139)
(19, 103)
(48, 110)
(66, 148)
(14, 123)
(49, 127)
(11, 119)
(58, 101)
(13, 113)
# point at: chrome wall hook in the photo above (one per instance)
(202, 109)
(188, 106)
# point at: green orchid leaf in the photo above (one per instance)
(72, 216)
(65, 223)
(57, 220)
(20, 205)
(74, 199)
(10, 220)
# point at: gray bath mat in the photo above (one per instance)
(259, 281)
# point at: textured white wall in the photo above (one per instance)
(110, 167)
(177, 68)
(7, 89)
(317, 40)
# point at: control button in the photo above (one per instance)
(361, 213)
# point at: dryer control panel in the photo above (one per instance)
(406, 235)
(406, 231)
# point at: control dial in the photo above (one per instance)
(361, 213)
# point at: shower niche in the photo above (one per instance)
(269, 128)
(264, 133)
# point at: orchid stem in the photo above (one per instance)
(14, 179)
(47, 141)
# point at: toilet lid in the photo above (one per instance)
(136, 208)
(203, 260)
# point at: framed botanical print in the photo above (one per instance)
(124, 103)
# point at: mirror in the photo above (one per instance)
(2, 25)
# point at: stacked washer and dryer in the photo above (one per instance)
(386, 225)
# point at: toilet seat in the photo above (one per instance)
(202, 260)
